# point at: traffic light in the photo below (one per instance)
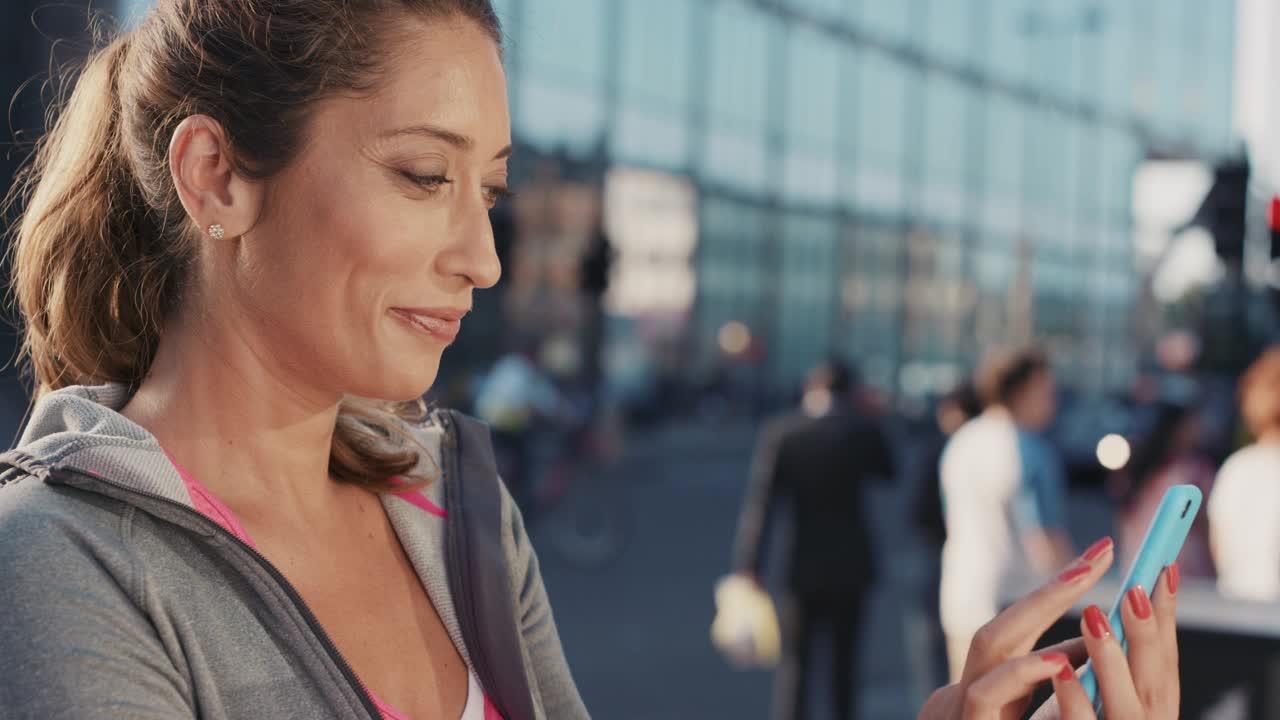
(1222, 212)
(1273, 222)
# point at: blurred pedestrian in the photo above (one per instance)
(1244, 509)
(1003, 493)
(515, 397)
(954, 410)
(1170, 455)
(821, 460)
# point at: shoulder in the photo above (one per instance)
(784, 424)
(1248, 460)
(1035, 448)
(977, 435)
(33, 509)
(62, 536)
(1246, 474)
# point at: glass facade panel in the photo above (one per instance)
(824, 9)
(739, 67)
(807, 297)
(1119, 37)
(882, 105)
(736, 160)
(1007, 45)
(655, 52)
(564, 39)
(1003, 145)
(552, 116)
(946, 190)
(890, 20)
(813, 90)
(871, 292)
(655, 139)
(1173, 60)
(810, 178)
(950, 27)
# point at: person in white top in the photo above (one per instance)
(1244, 509)
(998, 519)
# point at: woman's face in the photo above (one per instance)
(373, 241)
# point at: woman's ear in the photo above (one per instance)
(203, 171)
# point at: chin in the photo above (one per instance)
(400, 384)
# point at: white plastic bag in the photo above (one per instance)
(745, 630)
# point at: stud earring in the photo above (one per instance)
(216, 232)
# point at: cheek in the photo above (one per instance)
(346, 245)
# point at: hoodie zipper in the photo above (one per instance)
(366, 698)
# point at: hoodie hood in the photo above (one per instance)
(81, 428)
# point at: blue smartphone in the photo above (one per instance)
(1160, 549)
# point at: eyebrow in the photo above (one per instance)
(458, 140)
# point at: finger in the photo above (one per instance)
(1074, 649)
(1165, 603)
(1015, 631)
(1073, 701)
(1010, 681)
(1147, 663)
(1115, 683)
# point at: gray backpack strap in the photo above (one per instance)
(479, 578)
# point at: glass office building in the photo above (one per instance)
(906, 182)
(903, 181)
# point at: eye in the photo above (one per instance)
(427, 182)
(494, 194)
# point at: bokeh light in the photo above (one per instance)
(735, 338)
(1113, 452)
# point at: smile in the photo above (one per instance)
(442, 325)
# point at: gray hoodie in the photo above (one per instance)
(119, 600)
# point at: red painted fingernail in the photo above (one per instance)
(1097, 624)
(1066, 674)
(1171, 577)
(1055, 658)
(1140, 603)
(1074, 573)
(1097, 549)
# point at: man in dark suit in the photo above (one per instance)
(820, 460)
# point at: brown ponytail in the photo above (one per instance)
(91, 272)
(103, 248)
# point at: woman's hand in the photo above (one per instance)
(1000, 674)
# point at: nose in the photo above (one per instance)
(472, 253)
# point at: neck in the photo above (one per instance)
(1270, 437)
(238, 420)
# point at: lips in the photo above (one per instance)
(442, 324)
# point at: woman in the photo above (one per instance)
(954, 410)
(1244, 509)
(249, 237)
(1170, 456)
(1003, 495)
(248, 240)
